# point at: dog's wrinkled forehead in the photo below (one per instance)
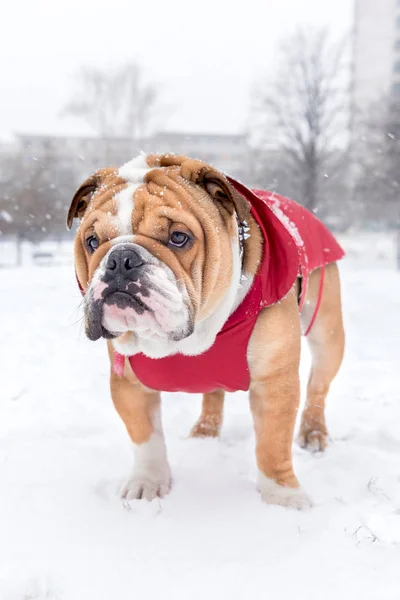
(168, 170)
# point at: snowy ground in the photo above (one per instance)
(64, 534)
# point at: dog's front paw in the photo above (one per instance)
(289, 497)
(314, 440)
(148, 484)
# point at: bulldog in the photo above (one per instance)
(202, 285)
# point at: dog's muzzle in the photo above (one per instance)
(125, 278)
(134, 291)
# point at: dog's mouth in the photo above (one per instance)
(123, 299)
(149, 313)
(116, 312)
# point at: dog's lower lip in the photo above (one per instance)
(134, 300)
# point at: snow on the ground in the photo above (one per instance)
(64, 534)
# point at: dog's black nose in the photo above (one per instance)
(122, 261)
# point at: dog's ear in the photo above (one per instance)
(81, 199)
(85, 192)
(213, 181)
(222, 192)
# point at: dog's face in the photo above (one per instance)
(157, 254)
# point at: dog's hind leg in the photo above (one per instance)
(210, 421)
(326, 342)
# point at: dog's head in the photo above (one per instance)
(157, 254)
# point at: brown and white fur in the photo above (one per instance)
(180, 303)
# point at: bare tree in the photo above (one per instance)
(376, 158)
(115, 103)
(34, 196)
(300, 117)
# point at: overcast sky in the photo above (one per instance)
(206, 55)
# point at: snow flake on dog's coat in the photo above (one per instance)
(286, 222)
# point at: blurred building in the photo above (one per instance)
(227, 152)
(81, 155)
(376, 65)
(375, 114)
(376, 58)
(85, 154)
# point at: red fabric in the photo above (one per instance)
(295, 243)
(316, 245)
(319, 299)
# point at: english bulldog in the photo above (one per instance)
(202, 285)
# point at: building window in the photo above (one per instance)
(396, 90)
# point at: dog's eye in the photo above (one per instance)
(178, 239)
(92, 243)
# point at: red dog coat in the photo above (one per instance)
(295, 243)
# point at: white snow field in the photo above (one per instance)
(64, 533)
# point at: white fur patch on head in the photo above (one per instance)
(123, 220)
(134, 170)
(134, 173)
